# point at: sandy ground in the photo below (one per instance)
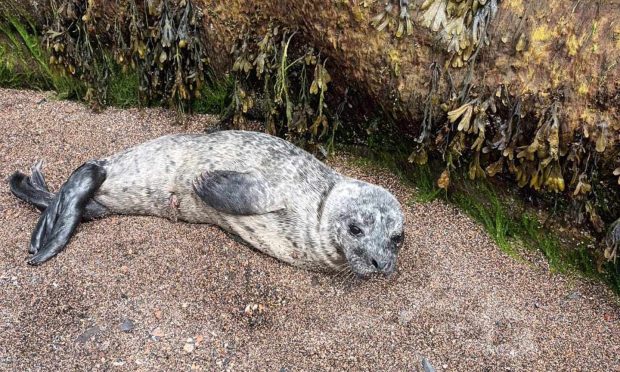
(143, 293)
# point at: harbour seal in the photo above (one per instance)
(273, 195)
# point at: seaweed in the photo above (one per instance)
(168, 60)
(288, 90)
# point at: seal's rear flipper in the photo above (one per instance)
(32, 189)
(237, 193)
(65, 211)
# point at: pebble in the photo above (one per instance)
(118, 363)
(199, 339)
(405, 316)
(189, 345)
(88, 334)
(127, 325)
(427, 366)
(157, 333)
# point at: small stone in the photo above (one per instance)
(445, 366)
(405, 316)
(427, 366)
(88, 334)
(157, 333)
(104, 345)
(118, 362)
(189, 347)
(184, 305)
(127, 325)
(158, 314)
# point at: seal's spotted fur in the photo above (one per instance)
(275, 196)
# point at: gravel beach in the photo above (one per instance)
(145, 293)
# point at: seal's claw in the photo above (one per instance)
(35, 260)
(36, 176)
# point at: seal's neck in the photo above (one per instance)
(336, 198)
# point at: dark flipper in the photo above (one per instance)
(33, 189)
(65, 211)
(237, 193)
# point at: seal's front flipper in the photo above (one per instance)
(237, 193)
(58, 222)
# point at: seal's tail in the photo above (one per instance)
(32, 189)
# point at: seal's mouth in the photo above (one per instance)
(366, 266)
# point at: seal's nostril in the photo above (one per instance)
(379, 264)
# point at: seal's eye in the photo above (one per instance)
(354, 230)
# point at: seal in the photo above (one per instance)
(275, 196)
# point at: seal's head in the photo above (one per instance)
(365, 223)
